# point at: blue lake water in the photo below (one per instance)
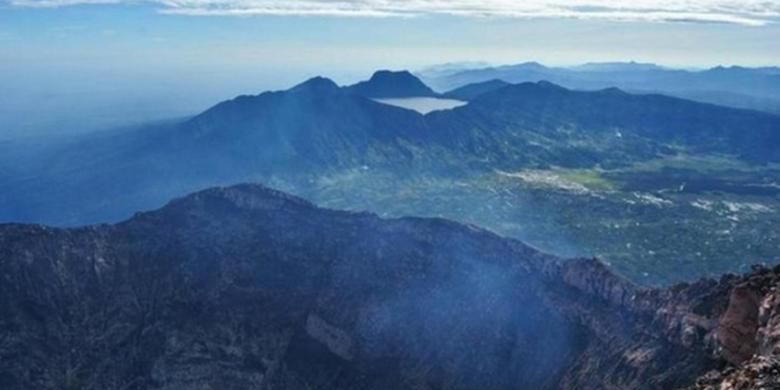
(423, 105)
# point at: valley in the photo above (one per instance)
(657, 223)
(663, 190)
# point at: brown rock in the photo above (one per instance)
(738, 325)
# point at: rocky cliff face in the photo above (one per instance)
(748, 334)
(245, 287)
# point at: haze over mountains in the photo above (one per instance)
(240, 286)
(753, 88)
(279, 195)
(317, 136)
(318, 125)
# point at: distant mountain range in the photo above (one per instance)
(245, 287)
(740, 87)
(472, 91)
(318, 126)
(534, 161)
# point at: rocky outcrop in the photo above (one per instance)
(760, 373)
(245, 287)
(747, 333)
(738, 325)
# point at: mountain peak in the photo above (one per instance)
(392, 84)
(388, 74)
(533, 64)
(614, 91)
(318, 83)
(247, 197)
(548, 84)
(525, 66)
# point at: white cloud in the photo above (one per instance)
(59, 3)
(744, 12)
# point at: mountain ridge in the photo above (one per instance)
(349, 300)
(496, 162)
(317, 126)
(225, 251)
(471, 91)
(738, 87)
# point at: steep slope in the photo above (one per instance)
(247, 287)
(313, 126)
(388, 84)
(749, 329)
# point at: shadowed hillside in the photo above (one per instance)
(248, 287)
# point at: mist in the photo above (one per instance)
(71, 100)
(407, 195)
(94, 67)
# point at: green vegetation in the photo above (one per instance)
(657, 223)
(590, 178)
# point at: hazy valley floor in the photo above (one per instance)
(657, 223)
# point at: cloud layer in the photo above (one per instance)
(744, 12)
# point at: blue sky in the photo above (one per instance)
(137, 34)
(178, 56)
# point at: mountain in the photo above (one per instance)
(617, 67)
(314, 124)
(317, 126)
(656, 121)
(445, 69)
(311, 127)
(472, 91)
(534, 161)
(246, 287)
(739, 87)
(529, 71)
(388, 84)
(774, 70)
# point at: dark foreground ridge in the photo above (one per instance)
(245, 287)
